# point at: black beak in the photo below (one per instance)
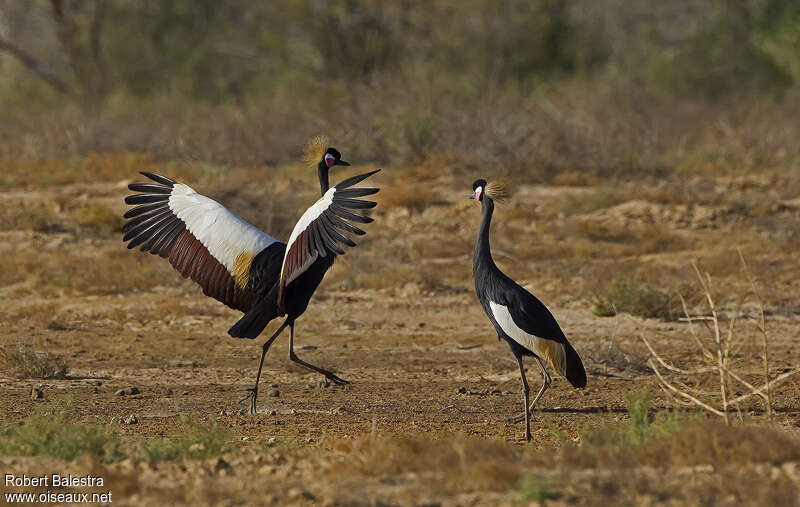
(472, 196)
(341, 162)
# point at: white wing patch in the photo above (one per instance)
(309, 216)
(546, 349)
(223, 233)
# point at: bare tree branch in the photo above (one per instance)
(97, 54)
(35, 66)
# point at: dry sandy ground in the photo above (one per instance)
(421, 356)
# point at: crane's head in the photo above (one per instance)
(319, 153)
(332, 157)
(495, 191)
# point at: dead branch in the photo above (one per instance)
(780, 378)
(34, 66)
(669, 366)
(763, 328)
(682, 394)
(706, 284)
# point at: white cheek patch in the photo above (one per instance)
(329, 160)
(478, 192)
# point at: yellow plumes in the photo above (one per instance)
(315, 149)
(241, 269)
(497, 191)
(552, 352)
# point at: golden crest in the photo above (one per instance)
(315, 149)
(498, 191)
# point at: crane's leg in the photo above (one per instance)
(330, 376)
(253, 393)
(546, 381)
(526, 392)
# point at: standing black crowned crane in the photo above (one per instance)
(240, 266)
(519, 317)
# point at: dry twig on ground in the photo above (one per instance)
(718, 358)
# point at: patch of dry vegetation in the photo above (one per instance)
(617, 240)
(57, 437)
(634, 297)
(28, 215)
(447, 465)
(599, 198)
(608, 464)
(97, 219)
(23, 361)
(108, 272)
(413, 197)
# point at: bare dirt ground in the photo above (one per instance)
(398, 318)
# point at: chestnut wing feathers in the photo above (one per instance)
(202, 240)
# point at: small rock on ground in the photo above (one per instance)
(127, 391)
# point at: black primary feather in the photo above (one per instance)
(349, 182)
(159, 179)
(146, 198)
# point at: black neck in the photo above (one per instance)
(483, 255)
(322, 172)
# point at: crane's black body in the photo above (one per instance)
(522, 313)
(241, 266)
(291, 299)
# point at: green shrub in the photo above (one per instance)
(632, 297)
(532, 488)
(54, 436)
(198, 441)
(641, 427)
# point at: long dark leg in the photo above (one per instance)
(253, 394)
(330, 376)
(526, 391)
(546, 381)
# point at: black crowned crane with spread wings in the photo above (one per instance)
(518, 316)
(241, 266)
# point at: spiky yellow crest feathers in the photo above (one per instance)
(498, 191)
(315, 149)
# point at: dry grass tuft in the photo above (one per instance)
(636, 298)
(415, 198)
(598, 198)
(118, 270)
(23, 361)
(93, 168)
(28, 216)
(97, 219)
(681, 444)
(451, 464)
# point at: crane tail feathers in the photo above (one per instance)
(253, 322)
(575, 373)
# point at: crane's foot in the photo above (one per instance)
(336, 380)
(252, 395)
(518, 418)
(523, 439)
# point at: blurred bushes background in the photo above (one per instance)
(532, 86)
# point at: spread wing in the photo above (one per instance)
(319, 232)
(202, 240)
